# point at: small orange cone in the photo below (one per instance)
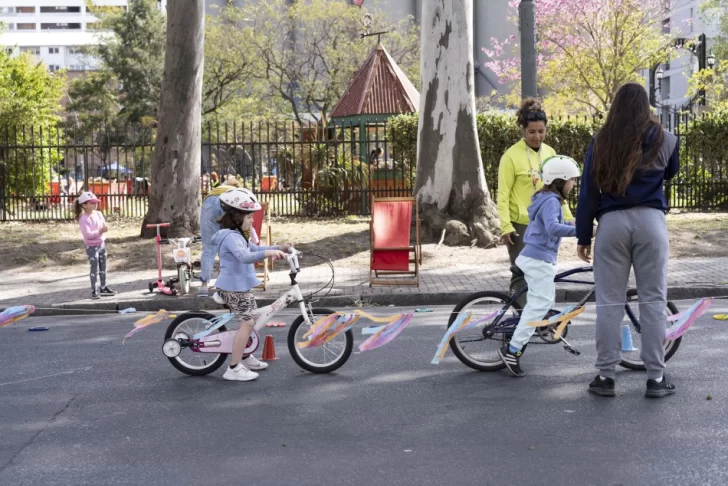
(269, 349)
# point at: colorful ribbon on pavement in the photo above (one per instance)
(461, 323)
(14, 314)
(683, 320)
(385, 333)
(562, 318)
(146, 322)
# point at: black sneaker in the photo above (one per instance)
(95, 295)
(603, 388)
(661, 389)
(107, 291)
(511, 360)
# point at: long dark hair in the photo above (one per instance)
(77, 210)
(618, 145)
(233, 219)
(557, 187)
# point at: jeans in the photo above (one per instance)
(209, 214)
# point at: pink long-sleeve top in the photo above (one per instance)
(90, 226)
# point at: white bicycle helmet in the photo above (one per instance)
(239, 200)
(559, 167)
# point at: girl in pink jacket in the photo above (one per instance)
(93, 229)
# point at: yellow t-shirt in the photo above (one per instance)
(518, 180)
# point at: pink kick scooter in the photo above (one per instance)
(159, 284)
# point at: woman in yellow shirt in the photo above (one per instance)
(519, 179)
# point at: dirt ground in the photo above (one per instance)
(35, 246)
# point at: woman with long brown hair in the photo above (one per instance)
(626, 165)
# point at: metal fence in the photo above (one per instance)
(300, 171)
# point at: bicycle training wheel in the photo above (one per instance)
(187, 361)
(478, 347)
(321, 359)
(631, 359)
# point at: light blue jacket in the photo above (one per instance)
(544, 233)
(237, 259)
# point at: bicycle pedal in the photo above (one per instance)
(572, 350)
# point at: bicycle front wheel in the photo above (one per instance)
(631, 359)
(321, 359)
(477, 347)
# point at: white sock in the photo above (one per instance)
(659, 380)
(602, 378)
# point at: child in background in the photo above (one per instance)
(93, 229)
(537, 260)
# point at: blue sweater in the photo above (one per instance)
(645, 189)
(237, 259)
(544, 233)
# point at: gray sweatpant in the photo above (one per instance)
(635, 237)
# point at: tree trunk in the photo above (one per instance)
(450, 183)
(175, 191)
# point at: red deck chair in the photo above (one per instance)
(392, 252)
(266, 237)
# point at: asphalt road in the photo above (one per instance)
(78, 407)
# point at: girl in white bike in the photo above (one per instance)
(538, 257)
(237, 274)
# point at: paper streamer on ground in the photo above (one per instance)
(146, 322)
(562, 318)
(387, 333)
(721, 317)
(683, 320)
(461, 323)
(326, 329)
(14, 314)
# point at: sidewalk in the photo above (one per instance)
(55, 293)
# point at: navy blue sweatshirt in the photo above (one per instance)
(645, 189)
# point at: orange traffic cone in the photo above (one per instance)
(269, 349)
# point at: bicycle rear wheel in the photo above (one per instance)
(478, 347)
(182, 329)
(631, 359)
(321, 359)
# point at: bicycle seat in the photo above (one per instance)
(184, 241)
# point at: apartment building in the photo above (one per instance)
(54, 31)
(683, 19)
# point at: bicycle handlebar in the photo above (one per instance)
(160, 225)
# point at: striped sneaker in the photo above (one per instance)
(511, 360)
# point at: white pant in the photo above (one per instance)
(541, 296)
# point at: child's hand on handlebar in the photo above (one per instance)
(275, 254)
(285, 247)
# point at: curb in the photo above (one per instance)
(192, 303)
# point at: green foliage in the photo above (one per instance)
(127, 87)
(294, 59)
(496, 133)
(29, 101)
(702, 181)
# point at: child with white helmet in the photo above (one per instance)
(538, 258)
(237, 274)
(93, 229)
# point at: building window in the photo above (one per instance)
(53, 50)
(60, 10)
(60, 26)
(666, 26)
(24, 10)
(26, 26)
(7, 10)
(32, 49)
(11, 26)
(9, 50)
(73, 50)
(53, 68)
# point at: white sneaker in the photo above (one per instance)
(239, 373)
(254, 363)
(218, 298)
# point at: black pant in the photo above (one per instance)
(517, 280)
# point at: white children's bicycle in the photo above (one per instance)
(197, 343)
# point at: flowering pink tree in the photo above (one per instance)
(587, 49)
